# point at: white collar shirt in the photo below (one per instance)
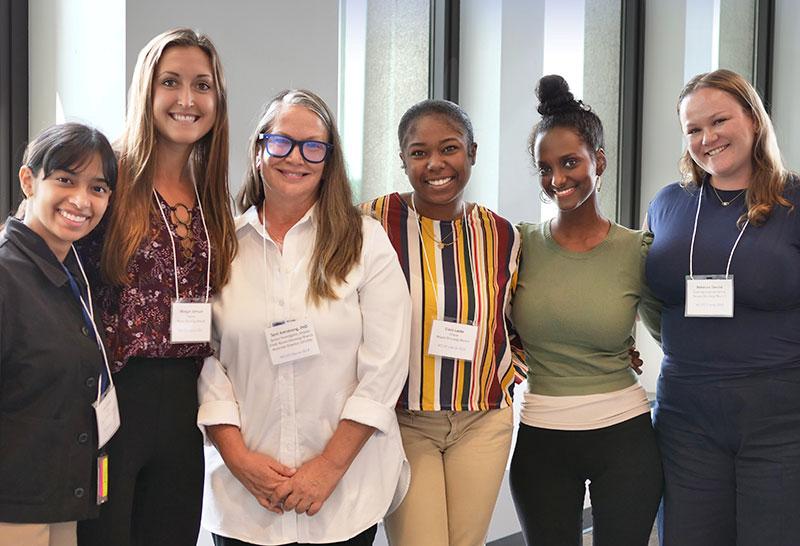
(290, 411)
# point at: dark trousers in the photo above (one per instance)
(548, 474)
(155, 460)
(365, 538)
(731, 461)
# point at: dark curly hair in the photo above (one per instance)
(558, 108)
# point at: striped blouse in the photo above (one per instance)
(469, 278)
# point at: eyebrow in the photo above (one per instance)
(73, 173)
(440, 142)
(171, 73)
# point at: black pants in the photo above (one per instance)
(365, 538)
(549, 470)
(155, 460)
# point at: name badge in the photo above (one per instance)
(453, 340)
(291, 340)
(107, 412)
(709, 296)
(190, 322)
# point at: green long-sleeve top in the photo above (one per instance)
(575, 311)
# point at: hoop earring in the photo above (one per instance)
(544, 198)
(598, 183)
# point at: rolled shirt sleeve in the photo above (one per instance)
(382, 366)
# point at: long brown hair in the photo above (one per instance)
(769, 174)
(337, 247)
(133, 199)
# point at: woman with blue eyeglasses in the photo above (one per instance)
(312, 341)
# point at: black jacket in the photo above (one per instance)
(49, 368)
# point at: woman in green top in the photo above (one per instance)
(585, 416)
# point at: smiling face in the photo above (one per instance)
(719, 136)
(292, 179)
(438, 162)
(568, 169)
(184, 96)
(66, 205)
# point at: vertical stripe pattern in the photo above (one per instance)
(471, 280)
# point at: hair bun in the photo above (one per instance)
(554, 96)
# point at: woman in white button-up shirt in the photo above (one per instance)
(313, 340)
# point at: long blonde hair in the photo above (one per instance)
(337, 247)
(769, 174)
(133, 199)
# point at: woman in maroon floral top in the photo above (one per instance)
(168, 246)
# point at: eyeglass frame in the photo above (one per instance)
(266, 136)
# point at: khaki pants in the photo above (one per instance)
(38, 534)
(458, 459)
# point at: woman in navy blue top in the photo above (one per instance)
(725, 262)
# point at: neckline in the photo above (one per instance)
(553, 244)
(471, 208)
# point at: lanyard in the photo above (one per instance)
(172, 240)
(694, 234)
(467, 249)
(87, 311)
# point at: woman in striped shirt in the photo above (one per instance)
(460, 262)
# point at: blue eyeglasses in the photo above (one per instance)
(313, 151)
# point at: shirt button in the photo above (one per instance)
(78, 492)
(85, 331)
(91, 382)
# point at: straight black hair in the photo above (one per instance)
(70, 146)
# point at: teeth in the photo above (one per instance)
(563, 190)
(715, 151)
(440, 182)
(293, 175)
(72, 217)
(184, 117)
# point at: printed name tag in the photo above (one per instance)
(453, 340)
(291, 340)
(709, 296)
(190, 322)
(107, 412)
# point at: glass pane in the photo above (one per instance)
(506, 46)
(385, 53)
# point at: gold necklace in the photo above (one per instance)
(729, 201)
(440, 244)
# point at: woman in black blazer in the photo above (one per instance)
(52, 365)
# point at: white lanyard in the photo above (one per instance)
(172, 240)
(90, 311)
(694, 234)
(467, 249)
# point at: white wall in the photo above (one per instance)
(77, 63)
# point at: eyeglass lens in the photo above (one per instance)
(311, 150)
